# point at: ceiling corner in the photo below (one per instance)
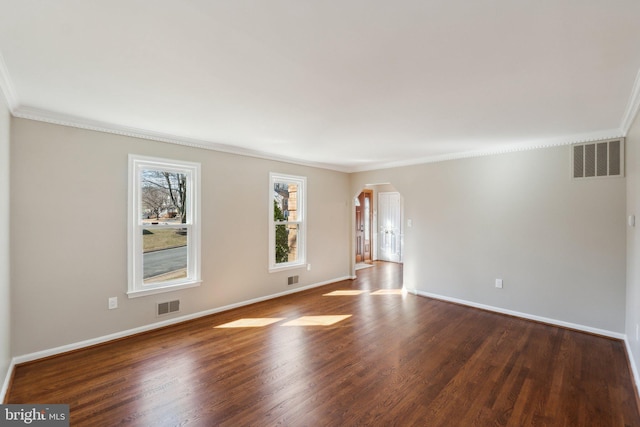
(6, 87)
(632, 107)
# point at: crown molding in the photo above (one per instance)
(82, 123)
(528, 146)
(46, 116)
(6, 87)
(632, 106)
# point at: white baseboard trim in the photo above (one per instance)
(7, 380)
(634, 368)
(528, 316)
(106, 338)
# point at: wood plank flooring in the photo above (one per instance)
(396, 360)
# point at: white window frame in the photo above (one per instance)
(136, 285)
(301, 182)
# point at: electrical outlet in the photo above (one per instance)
(113, 303)
(308, 267)
(499, 283)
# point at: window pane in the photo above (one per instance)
(164, 195)
(285, 196)
(286, 235)
(165, 254)
(286, 243)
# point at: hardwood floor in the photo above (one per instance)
(396, 360)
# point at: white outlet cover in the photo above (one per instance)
(499, 283)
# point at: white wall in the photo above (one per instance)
(633, 245)
(69, 250)
(5, 295)
(558, 243)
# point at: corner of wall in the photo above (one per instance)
(6, 367)
(632, 315)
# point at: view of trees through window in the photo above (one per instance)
(285, 217)
(164, 201)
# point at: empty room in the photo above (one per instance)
(311, 213)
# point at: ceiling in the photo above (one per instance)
(349, 85)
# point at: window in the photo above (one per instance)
(164, 229)
(287, 222)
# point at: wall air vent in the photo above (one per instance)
(168, 307)
(599, 159)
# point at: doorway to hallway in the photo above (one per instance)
(378, 223)
(390, 227)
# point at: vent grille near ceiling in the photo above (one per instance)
(598, 159)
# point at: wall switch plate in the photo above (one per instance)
(499, 283)
(409, 223)
(113, 303)
(308, 267)
(632, 220)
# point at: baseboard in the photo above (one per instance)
(123, 334)
(634, 368)
(527, 316)
(7, 380)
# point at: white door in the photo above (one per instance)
(389, 227)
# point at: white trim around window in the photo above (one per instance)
(164, 225)
(287, 221)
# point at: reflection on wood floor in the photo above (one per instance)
(357, 352)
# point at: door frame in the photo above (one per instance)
(366, 193)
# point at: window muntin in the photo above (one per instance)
(287, 230)
(164, 229)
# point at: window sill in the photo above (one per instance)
(274, 269)
(160, 290)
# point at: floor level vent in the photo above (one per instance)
(292, 280)
(168, 307)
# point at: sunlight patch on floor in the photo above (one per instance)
(256, 322)
(343, 292)
(388, 292)
(317, 320)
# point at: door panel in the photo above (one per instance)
(390, 227)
